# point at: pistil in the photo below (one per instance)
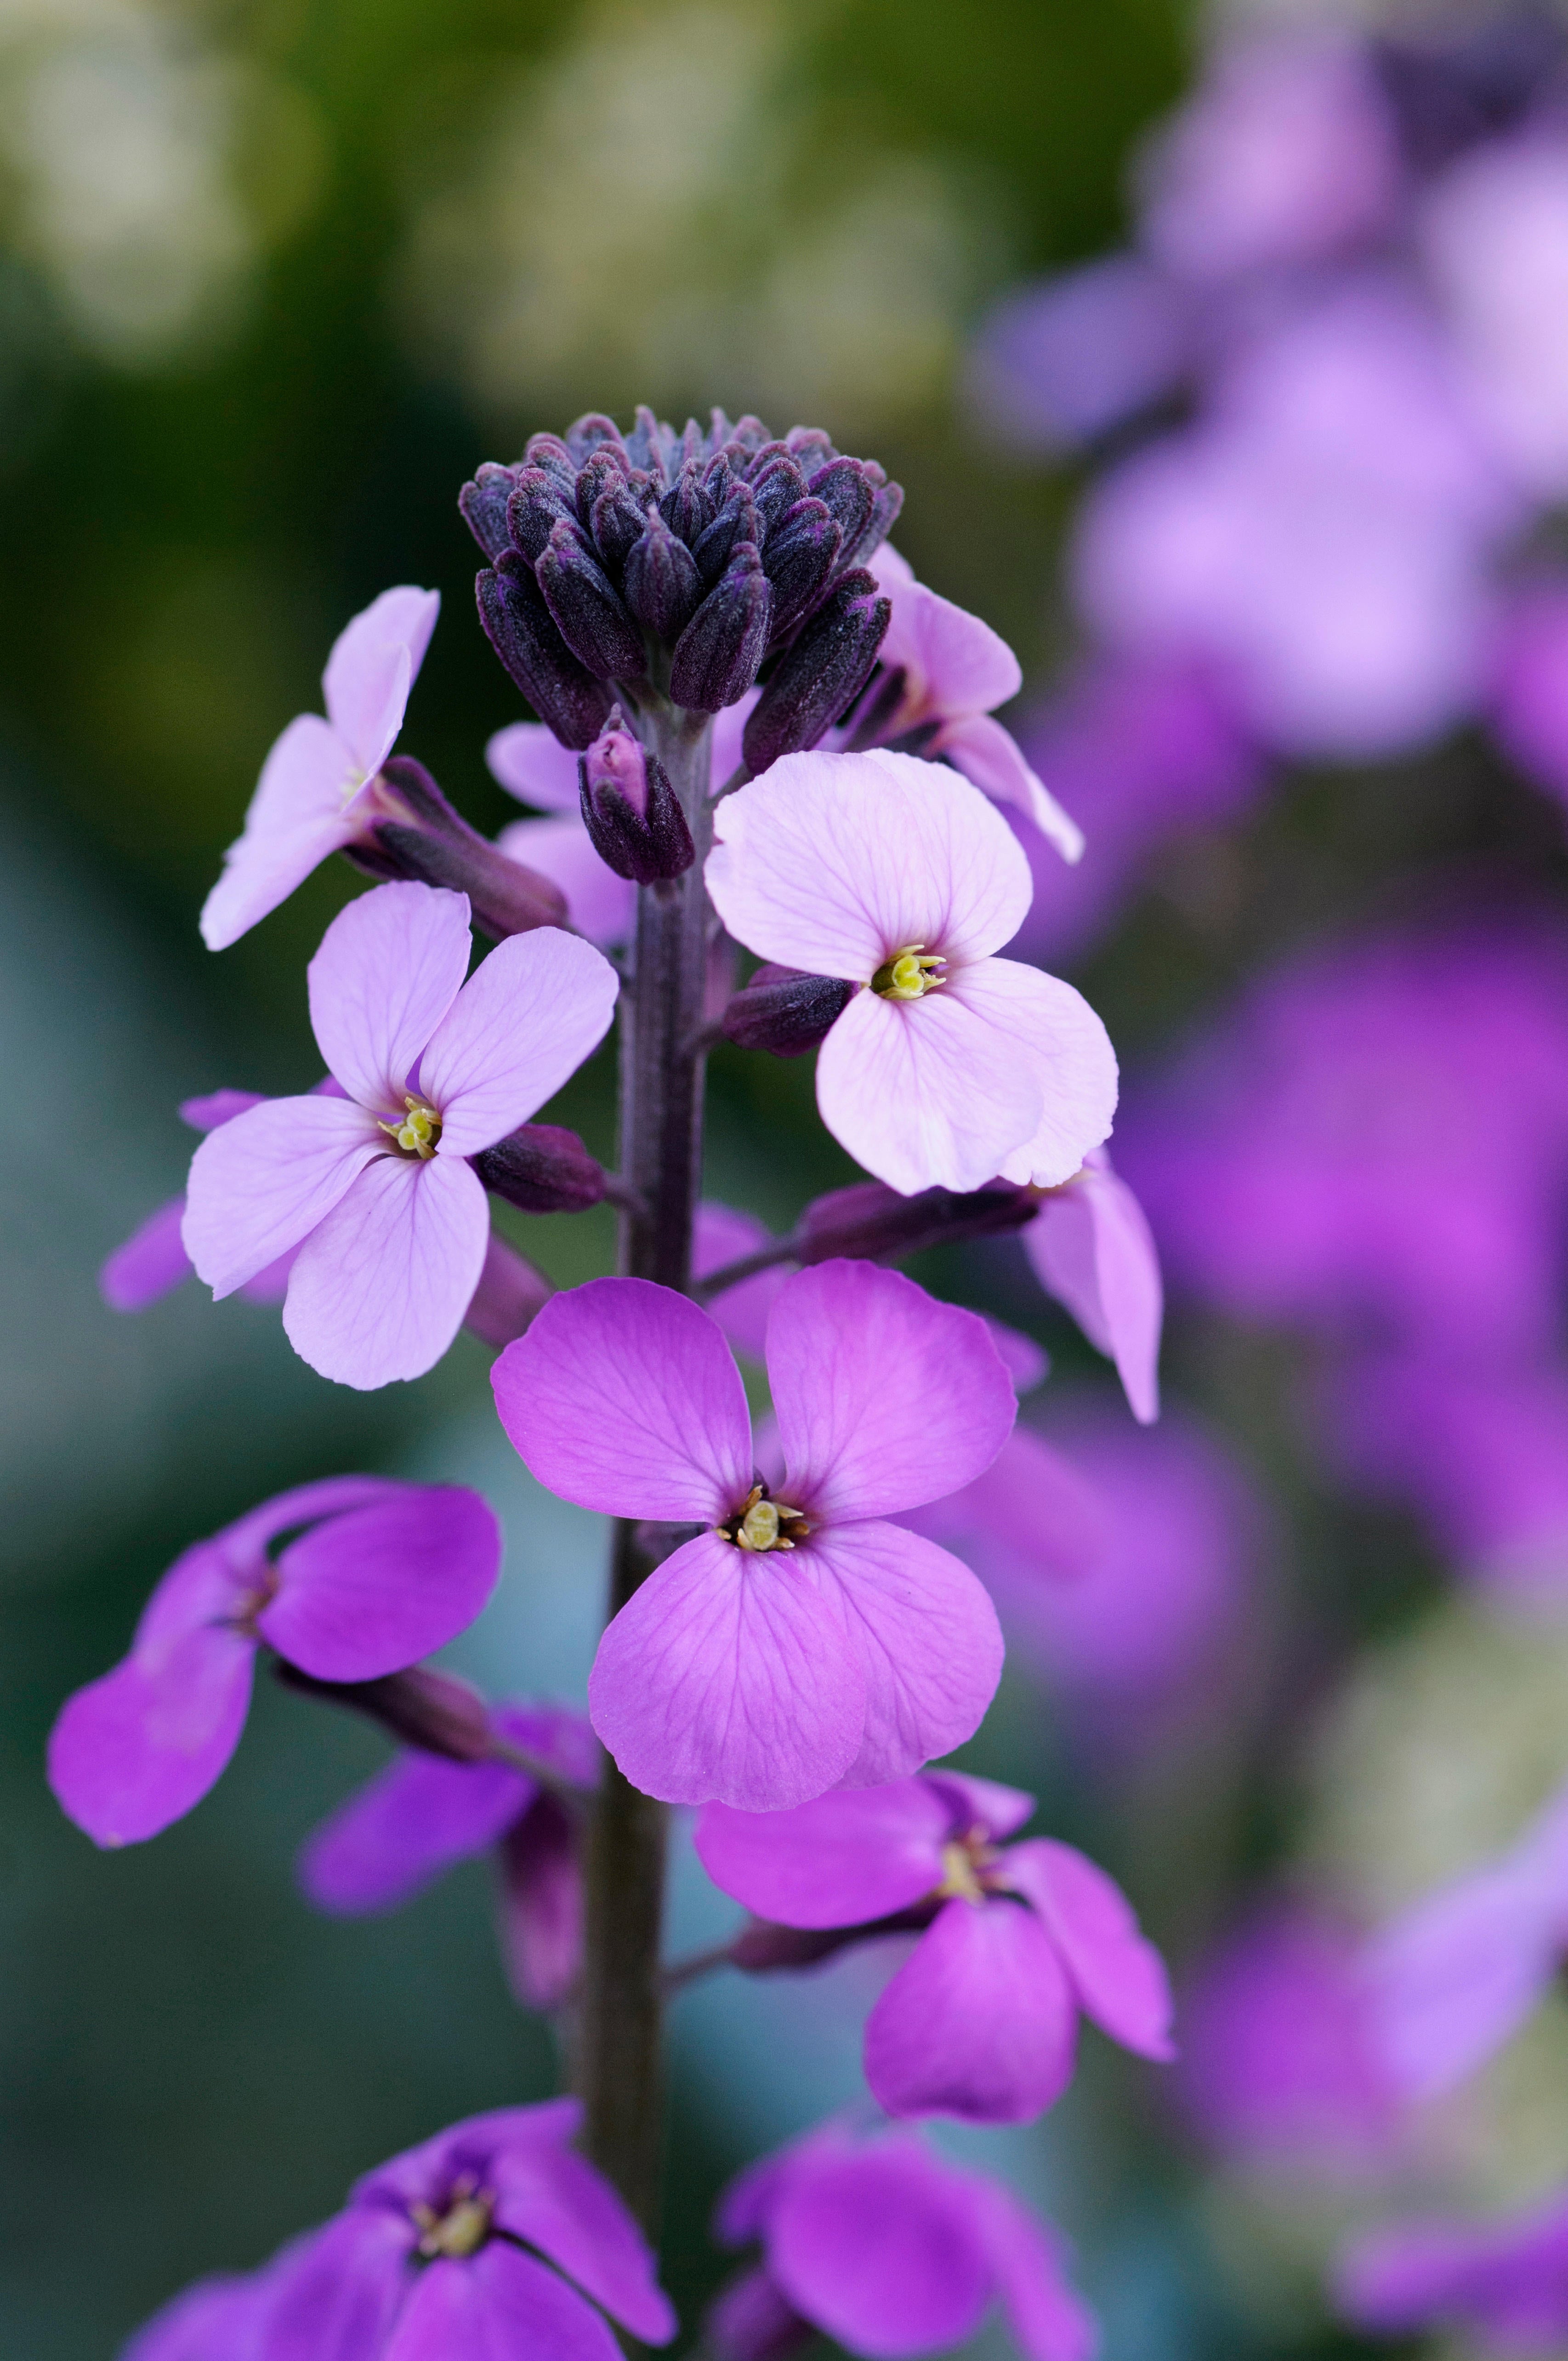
(910, 973)
(418, 1132)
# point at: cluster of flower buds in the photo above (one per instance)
(694, 559)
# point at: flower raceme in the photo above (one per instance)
(950, 1066)
(375, 1190)
(376, 1575)
(980, 2021)
(800, 1639)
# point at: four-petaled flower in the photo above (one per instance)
(802, 1639)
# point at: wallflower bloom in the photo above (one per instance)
(951, 1066)
(1504, 2282)
(1092, 1247)
(981, 2020)
(801, 1640)
(374, 1189)
(318, 785)
(421, 1815)
(378, 1575)
(890, 2250)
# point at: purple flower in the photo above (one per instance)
(951, 1066)
(1092, 1247)
(1081, 351)
(421, 1815)
(376, 1574)
(374, 1189)
(802, 1639)
(1504, 2282)
(980, 2021)
(1529, 713)
(224, 2318)
(890, 2251)
(318, 789)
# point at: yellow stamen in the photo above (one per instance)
(761, 1523)
(960, 1878)
(418, 1130)
(461, 2230)
(910, 973)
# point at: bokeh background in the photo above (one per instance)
(273, 278)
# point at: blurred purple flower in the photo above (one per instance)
(1530, 708)
(224, 2318)
(1504, 2283)
(1077, 353)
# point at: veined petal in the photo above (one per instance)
(885, 1397)
(979, 2022)
(379, 1290)
(929, 1640)
(856, 1853)
(599, 904)
(368, 1592)
(992, 760)
(729, 1677)
(297, 816)
(926, 1093)
(373, 663)
(530, 761)
(1092, 1249)
(1117, 1975)
(495, 2306)
(557, 2201)
(135, 1751)
(389, 967)
(1053, 1027)
(264, 1181)
(623, 1397)
(406, 1826)
(521, 1025)
(878, 2246)
(956, 664)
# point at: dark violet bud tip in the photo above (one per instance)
(523, 633)
(870, 1221)
(419, 1707)
(718, 655)
(483, 505)
(784, 1011)
(542, 1168)
(421, 837)
(821, 677)
(588, 614)
(631, 810)
(661, 585)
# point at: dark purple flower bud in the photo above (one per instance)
(885, 511)
(761, 1949)
(718, 655)
(821, 677)
(549, 452)
(754, 2320)
(809, 448)
(785, 1011)
(522, 632)
(483, 505)
(608, 466)
(736, 521)
(801, 553)
(631, 810)
(661, 585)
(585, 433)
(536, 506)
(867, 1221)
(618, 522)
(775, 488)
(591, 618)
(540, 1912)
(648, 445)
(847, 492)
(750, 432)
(719, 479)
(686, 508)
(424, 839)
(420, 1707)
(542, 1168)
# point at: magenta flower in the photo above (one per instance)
(422, 1815)
(374, 1189)
(1504, 2282)
(951, 1066)
(980, 2021)
(318, 786)
(1092, 1249)
(801, 1639)
(890, 2250)
(377, 1574)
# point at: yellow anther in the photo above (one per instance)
(461, 2230)
(961, 1875)
(418, 1130)
(910, 973)
(762, 1524)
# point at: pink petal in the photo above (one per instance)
(1027, 1364)
(723, 1235)
(992, 760)
(346, 2290)
(298, 815)
(1069, 1052)
(372, 665)
(379, 1290)
(1093, 1248)
(879, 2247)
(623, 1397)
(599, 904)
(1048, 2321)
(1118, 1976)
(151, 1263)
(495, 2306)
(730, 1678)
(1454, 1979)
(559, 2204)
(389, 967)
(530, 763)
(979, 2023)
(371, 1591)
(956, 664)
(135, 1751)
(264, 1181)
(855, 1854)
(724, 745)
(927, 1636)
(982, 1804)
(521, 1025)
(411, 1822)
(885, 1397)
(926, 1094)
(831, 862)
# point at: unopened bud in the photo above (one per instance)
(754, 2320)
(542, 1168)
(848, 493)
(801, 556)
(776, 487)
(419, 1707)
(616, 524)
(736, 523)
(661, 585)
(718, 655)
(870, 1222)
(511, 1295)
(821, 677)
(483, 505)
(785, 1011)
(522, 632)
(588, 614)
(435, 846)
(631, 810)
(537, 505)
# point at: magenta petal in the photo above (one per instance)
(389, 968)
(520, 1027)
(981, 1804)
(1047, 2318)
(1092, 1247)
(224, 2315)
(857, 1853)
(880, 2248)
(381, 1288)
(730, 1678)
(541, 1906)
(979, 2023)
(752, 2320)
(1117, 1975)
(885, 1397)
(497, 2306)
(414, 1821)
(372, 1591)
(623, 1397)
(556, 2201)
(344, 2291)
(1456, 1977)
(260, 1184)
(927, 1638)
(151, 1263)
(133, 1752)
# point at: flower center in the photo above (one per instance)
(461, 2228)
(910, 973)
(761, 1523)
(418, 1131)
(968, 1866)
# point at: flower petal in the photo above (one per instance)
(151, 1263)
(1450, 1982)
(411, 1822)
(372, 666)
(344, 2293)
(1068, 1050)
(495, 2306)
(366, 1593)
(879, 2247)
(926, 1093)
(885, 1398)
(979, 2022)
(722, 1234)
(955, 661)
(992, 760)
(298, 815)
(264, 1181)
(520, 1027)
(389, 967)
(623, 1397)
(135, 1751)
(557, 2201)
(1092, 1249)
(928, 1640)
(729, 1677)
(530, 761)
(540, 1906)
(1117, 1975)
(855, 1854)
(599, 904)
(830, 862)
(1048, 2321)
(379, 1290)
